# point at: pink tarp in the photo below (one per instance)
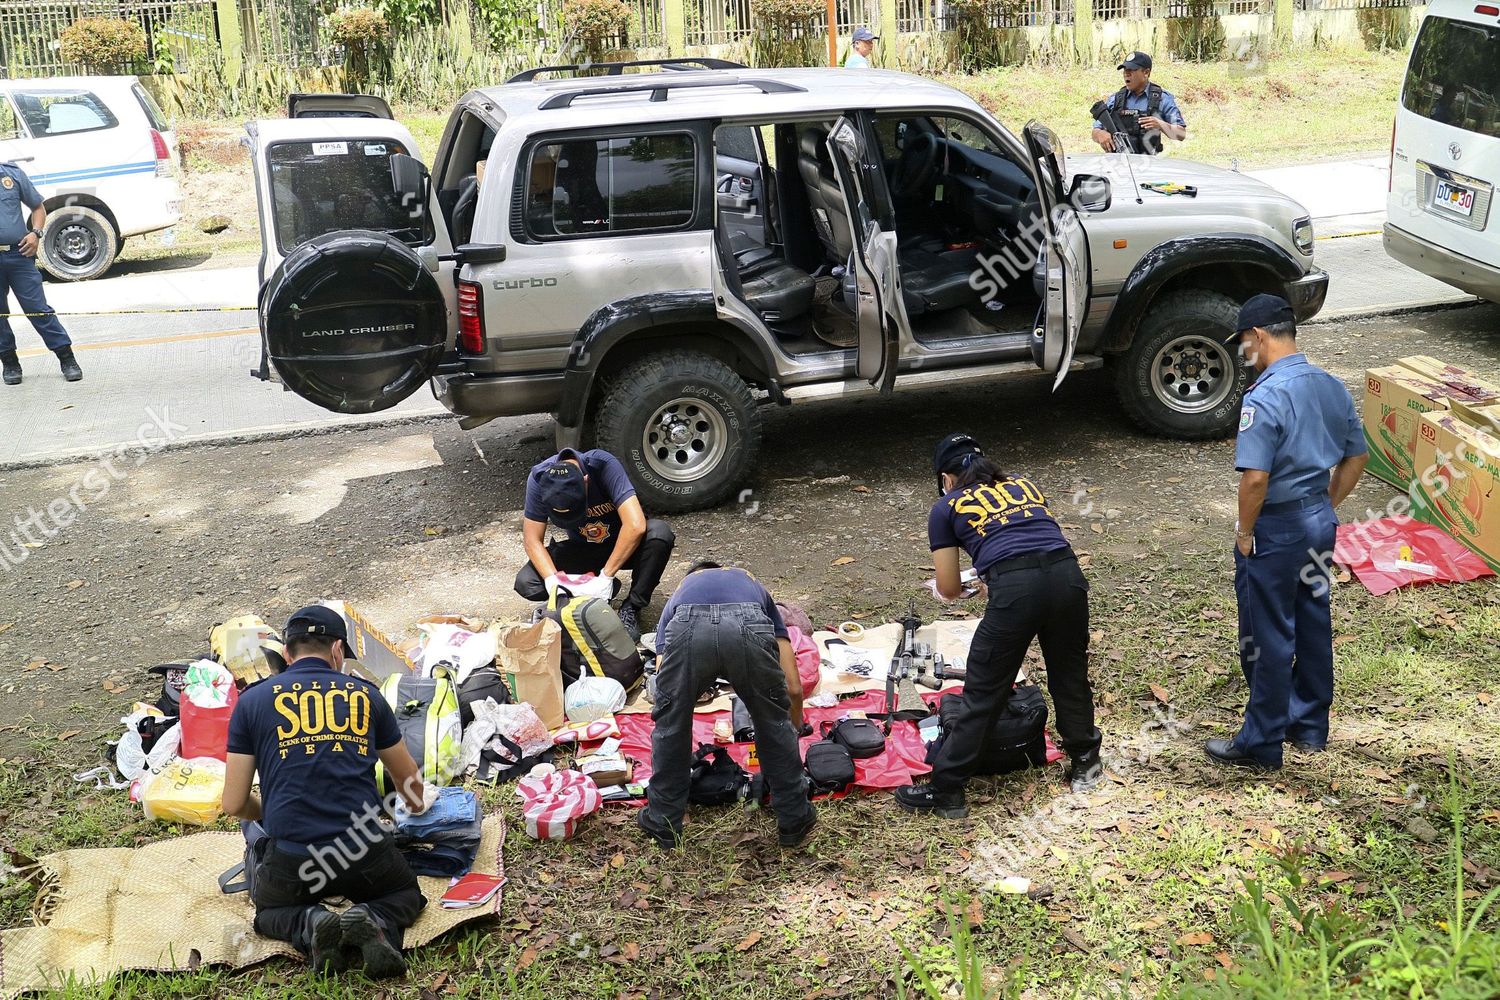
(1397, 552)
(903, 759)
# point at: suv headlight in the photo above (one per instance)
(1302, 235)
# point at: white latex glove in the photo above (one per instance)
(551, 584)
(429, 796)
(609, 584)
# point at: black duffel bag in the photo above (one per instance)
(1018, 739)
(830, 767)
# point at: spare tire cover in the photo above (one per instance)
(354, 321)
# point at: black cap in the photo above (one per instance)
(952, 454)
(315, 619)
(562, 490)
(1261, 311)
(1136, 60)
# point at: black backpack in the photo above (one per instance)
(861, 737)
(482, 683)
(830, 767)
(715, 779)
(1017, 741)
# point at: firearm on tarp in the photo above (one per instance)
(901, 698)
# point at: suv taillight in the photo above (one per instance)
(470, 318)
(163, 154)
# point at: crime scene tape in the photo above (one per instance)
(130, 312)
(1345, 236)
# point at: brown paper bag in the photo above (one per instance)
(529, 657)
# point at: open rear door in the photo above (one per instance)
(1066, 254)
(872, 265)
(356, 278)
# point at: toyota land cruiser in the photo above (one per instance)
(651, 256)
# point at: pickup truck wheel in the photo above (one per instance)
(77, 244)
(684, 425)
(1178, 379)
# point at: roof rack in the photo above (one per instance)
(616, 68)
(659, 88)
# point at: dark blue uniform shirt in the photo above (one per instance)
(721, 586)
(315, 734)
(995, 521)
(18, 196)
(608, 487)
(1297, 422)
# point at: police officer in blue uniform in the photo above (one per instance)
(1035, 589)
(1296, 424)
(19, 238)
(1159, 114)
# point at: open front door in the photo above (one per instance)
(871, 275)
(356, 276)
(1066, 254)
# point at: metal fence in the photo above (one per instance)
(715, 22)
(31, 30)
(939, 15)
(284, 31)
(1351, 4)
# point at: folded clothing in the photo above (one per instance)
(454, 809)
(445, 860)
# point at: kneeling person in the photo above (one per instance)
(723, 623)
(589, 495)
(314, 734)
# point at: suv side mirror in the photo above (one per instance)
(1090, 193)
(411, 184)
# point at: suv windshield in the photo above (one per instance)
(320, 187)
(1455, 75)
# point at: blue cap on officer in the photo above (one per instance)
(1261, 311)
(562, 489)
(863, 34)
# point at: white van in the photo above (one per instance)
(102, 154)
(1445, 150)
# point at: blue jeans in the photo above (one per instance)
(19, 274)
(704, 642)
(1286, 627)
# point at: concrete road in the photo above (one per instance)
(176, 347)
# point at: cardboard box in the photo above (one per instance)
(1395, 399)
(1459, 383)
(1459, 469)
(376, 656)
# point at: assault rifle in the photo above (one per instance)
(901, 698)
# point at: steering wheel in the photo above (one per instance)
(918, 163)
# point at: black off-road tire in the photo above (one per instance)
(713, 401)
(1197, 321)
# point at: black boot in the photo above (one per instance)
(1086, 771)
(70, 370)
(12, 368)
(926, 799)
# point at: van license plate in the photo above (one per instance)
(1453, 198)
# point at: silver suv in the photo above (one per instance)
(650, 256)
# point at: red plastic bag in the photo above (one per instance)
(809, 661)
(208, 700)
(1397, 552)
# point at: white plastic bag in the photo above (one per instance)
(462, 650)
(589, 698)
(518, 723)
(132, 760)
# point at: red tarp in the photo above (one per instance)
(1397, 552)
(903, 759)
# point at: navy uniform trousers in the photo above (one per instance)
(1286, 630)
(19, 274)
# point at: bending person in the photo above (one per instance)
(589, 495)
(1035, 589)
